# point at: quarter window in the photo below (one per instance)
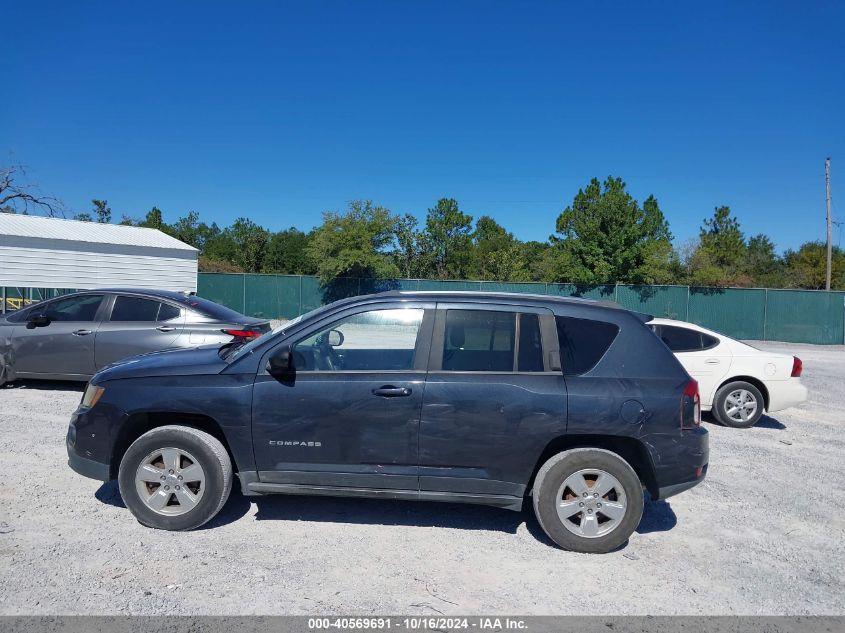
(583, 342)
(379, 340)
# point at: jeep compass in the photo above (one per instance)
(485, 398)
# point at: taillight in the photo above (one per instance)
(797, 367)
(250, 334)
(690, 406)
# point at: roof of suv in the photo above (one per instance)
(508, 296)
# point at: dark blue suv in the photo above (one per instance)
(446, 396)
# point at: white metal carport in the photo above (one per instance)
(39, 252)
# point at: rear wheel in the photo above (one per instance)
(588, 500)
(738, 404)
(175, 478)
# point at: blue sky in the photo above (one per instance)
(279, 111)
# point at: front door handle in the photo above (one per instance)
(389, 391)
(82, 333)
(165, 328)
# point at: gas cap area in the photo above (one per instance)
(632, 412)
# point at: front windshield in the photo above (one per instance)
(238, 351)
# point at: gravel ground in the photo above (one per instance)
(764, 534)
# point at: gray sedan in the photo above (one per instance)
(73, 336)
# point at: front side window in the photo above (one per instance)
(378, 340)
(583, 342)
(82, 308)
(479, 340)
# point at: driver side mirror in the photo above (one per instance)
(37, 320)
(280, 363)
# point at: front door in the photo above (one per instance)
(65, 347)
(349, 416)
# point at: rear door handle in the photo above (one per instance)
(82, 333)
(165, 328)
(389, 391)
(712, 361)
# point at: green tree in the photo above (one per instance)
(250, 242)
(355, 243)
(448, 239)
(102, 211)
(411, 254)
(806, 267)
(153, 219)
(762, 262)
(496, 254)
(540, 260)
(287, 253)
(606, 237)
(720, 257)
(190, 230)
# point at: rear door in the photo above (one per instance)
(136, 325)
(492, 398)
(65, 347)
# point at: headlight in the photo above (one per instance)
(92, 395)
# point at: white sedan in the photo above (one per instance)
(737, 382)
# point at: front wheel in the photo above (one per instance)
(588, 500)
(175, 478)
(738, 404)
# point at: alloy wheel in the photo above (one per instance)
(591, 503)
(740, 405)
(170, 481)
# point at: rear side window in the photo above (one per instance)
(681, 339)
(138, 309)
(583, 342)
(479, 340)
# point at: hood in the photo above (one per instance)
(194, 361)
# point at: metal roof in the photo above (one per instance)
(34, 226)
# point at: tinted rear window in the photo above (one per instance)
(583, 342)
(211, 309)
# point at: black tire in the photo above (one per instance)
(551, 478)
(211, 456)
(720, 404)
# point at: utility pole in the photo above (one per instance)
(829, 232)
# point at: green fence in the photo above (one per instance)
(798, 316)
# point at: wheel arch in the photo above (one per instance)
(750, 380)
(629, 449)
(139, 423)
